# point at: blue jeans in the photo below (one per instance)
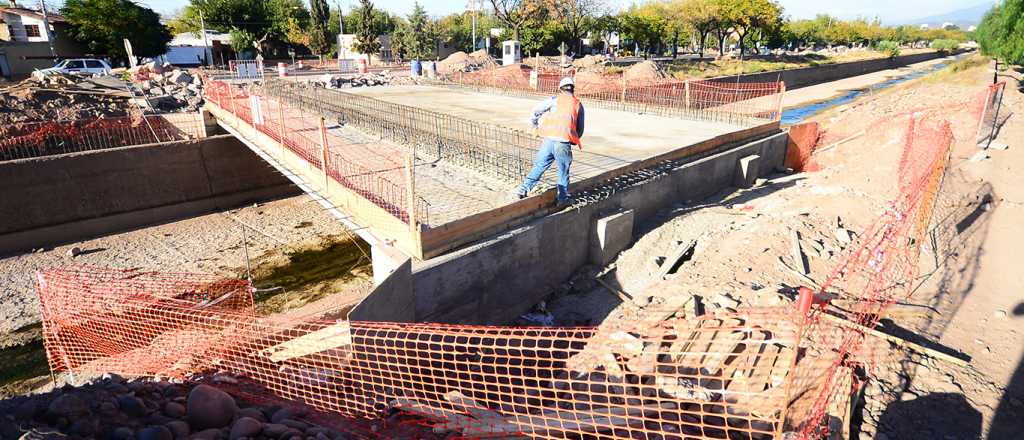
(551, 151)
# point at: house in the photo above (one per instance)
(189, 49)
(25, 41)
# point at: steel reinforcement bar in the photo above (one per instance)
(495, 151)
(705, 101)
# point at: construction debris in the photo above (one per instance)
(335, 81)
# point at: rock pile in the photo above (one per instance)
(172, 90)
(333, 81)
(113, 408)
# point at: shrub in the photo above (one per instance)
(943, 45)
(889, 47)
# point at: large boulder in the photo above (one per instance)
(208, 407)
(69, 406)
(245, 427)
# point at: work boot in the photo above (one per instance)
(518, 195)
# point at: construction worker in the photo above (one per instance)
(561, 127)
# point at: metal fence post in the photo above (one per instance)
(280, 136)
(410, 189)
(323, 151)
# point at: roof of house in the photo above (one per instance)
(54, 18)
(196, 38)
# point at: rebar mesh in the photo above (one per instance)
(746, 104)
(38, 139)
(496, 151)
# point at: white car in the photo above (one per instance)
(89, 66)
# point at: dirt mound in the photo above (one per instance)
(644, 71)
(589, 61)
(22, 104)
(593, 81)
(461, 61)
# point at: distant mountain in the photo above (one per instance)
(962, 17)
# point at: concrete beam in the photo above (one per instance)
(609, 236)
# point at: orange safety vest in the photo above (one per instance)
(560, 123)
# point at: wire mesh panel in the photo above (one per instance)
(246, 70)
(495, 151)
(36, 139)
(716, 376)
(992, 114)
(376, 174)
(743, 104)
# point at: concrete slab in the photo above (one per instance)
(611, 138)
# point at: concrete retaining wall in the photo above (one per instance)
(809, 76)
(496, 281)
(57, 199)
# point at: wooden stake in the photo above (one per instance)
(900, 342)
(280, 106)
(687, 87)
(782, 92)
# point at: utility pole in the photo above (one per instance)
(46, 29)
(207, 53)
(341, 28)
(474, 5)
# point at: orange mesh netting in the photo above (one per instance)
(751, 374)
(710, 377)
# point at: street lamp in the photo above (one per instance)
(474, 5)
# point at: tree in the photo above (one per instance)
(644, 25)
(1001, 32)
(702, 16)
(103, 25)
(575, 15)
(253, 24)
(514, 13)
(367, 41)
(750, 15)
(319, 38)
(420, 42)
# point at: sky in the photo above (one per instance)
(888, 10)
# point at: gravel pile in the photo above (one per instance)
(117, 409)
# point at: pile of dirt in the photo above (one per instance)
(644, 71)
(461, 61)
(593, 81)
(590, 61)
(26, 103)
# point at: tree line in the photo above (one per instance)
(543, 26)
(1001, 32)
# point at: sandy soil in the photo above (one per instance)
(968, 304)
(288, 242)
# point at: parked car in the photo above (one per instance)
(89, 66)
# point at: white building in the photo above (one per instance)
(188, 49)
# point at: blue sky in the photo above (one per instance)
(888, 10)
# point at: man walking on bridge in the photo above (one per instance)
(561, 127)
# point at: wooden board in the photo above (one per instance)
(336, 336)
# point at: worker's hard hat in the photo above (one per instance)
(567, 81)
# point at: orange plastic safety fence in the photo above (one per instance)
(876, 272)
(720, 377)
